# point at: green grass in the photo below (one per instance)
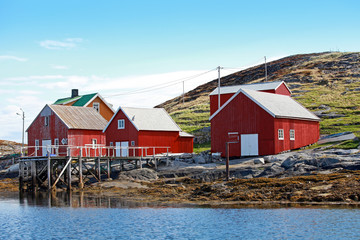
(198, 148)
(193, 118)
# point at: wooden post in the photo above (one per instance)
(108, 167)
(227, 162)
(69, 175)
(81, 183)
(33, 176)
(21, 176)
(99, 169)
(49, 167)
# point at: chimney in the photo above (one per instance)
(74, 93)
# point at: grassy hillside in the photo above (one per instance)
(326, 83)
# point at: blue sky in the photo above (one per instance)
(114, 47)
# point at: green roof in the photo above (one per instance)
(80, 101)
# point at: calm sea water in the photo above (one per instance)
(95, 218)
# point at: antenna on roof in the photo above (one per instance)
(265, 69)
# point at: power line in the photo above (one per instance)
(162, 85)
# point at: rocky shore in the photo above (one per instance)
(308, 176)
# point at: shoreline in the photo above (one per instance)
(340, 189)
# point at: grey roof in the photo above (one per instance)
(254, 86)
(153, 119)
(279, 106)
(79, 117)
(185, 134)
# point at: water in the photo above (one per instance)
(32, 218)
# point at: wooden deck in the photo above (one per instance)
(52, 172)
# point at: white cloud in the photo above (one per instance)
(68, 43)
(7, 57)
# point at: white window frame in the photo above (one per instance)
(47, 121)
(281, 134)
(292, 134)
(121, 124)
(56, 142)
(96, 106)
(37, 144)
(93, 143)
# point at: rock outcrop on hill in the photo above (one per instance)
(327, 83)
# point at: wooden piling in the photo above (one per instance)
(108, 168)
(99, 169)
(81, 183)
(33, 176)
(49, 170)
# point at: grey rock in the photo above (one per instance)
(272, 171)
(199, 159)
(259, 161)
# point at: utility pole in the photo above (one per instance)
(265, 70)
(183, 92)
(23, 126)
(219, 103)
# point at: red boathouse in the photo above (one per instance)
(130, 128)
(58, 127)
(263, 123)
(227, 92)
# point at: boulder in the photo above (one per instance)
(259, 161)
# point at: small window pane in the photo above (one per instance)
(96, 106)
(292, 134)
(121, 124)
(281, 134)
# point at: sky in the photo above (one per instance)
(142, 53)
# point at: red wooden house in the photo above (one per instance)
(58, 127)
(92, 100)
(263, 124)
(130, 128)
(227, 92)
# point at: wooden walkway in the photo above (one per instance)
(52, 172)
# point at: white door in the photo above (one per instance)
(124, 149)
(117, 146)
(46, 146)
(249, 145)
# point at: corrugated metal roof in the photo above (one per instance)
(81, 100)
(153, 119)
(84, 100)
(79, 117)
(279, 106)
(185, 134)
(254, 86)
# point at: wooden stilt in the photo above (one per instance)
(99, 169)
(81, 183)
(21, 176)
(69, 176)
(108, 168)
(33, 176)
(49, 167)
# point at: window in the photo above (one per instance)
(111, 144)
(93, 142)
(132, 143)
(56, 142)
(96, 106)
(36, 144)
(46, 120)
(281, 134)
(292, 134)
(121, 124)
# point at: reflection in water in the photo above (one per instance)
(78, 200)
